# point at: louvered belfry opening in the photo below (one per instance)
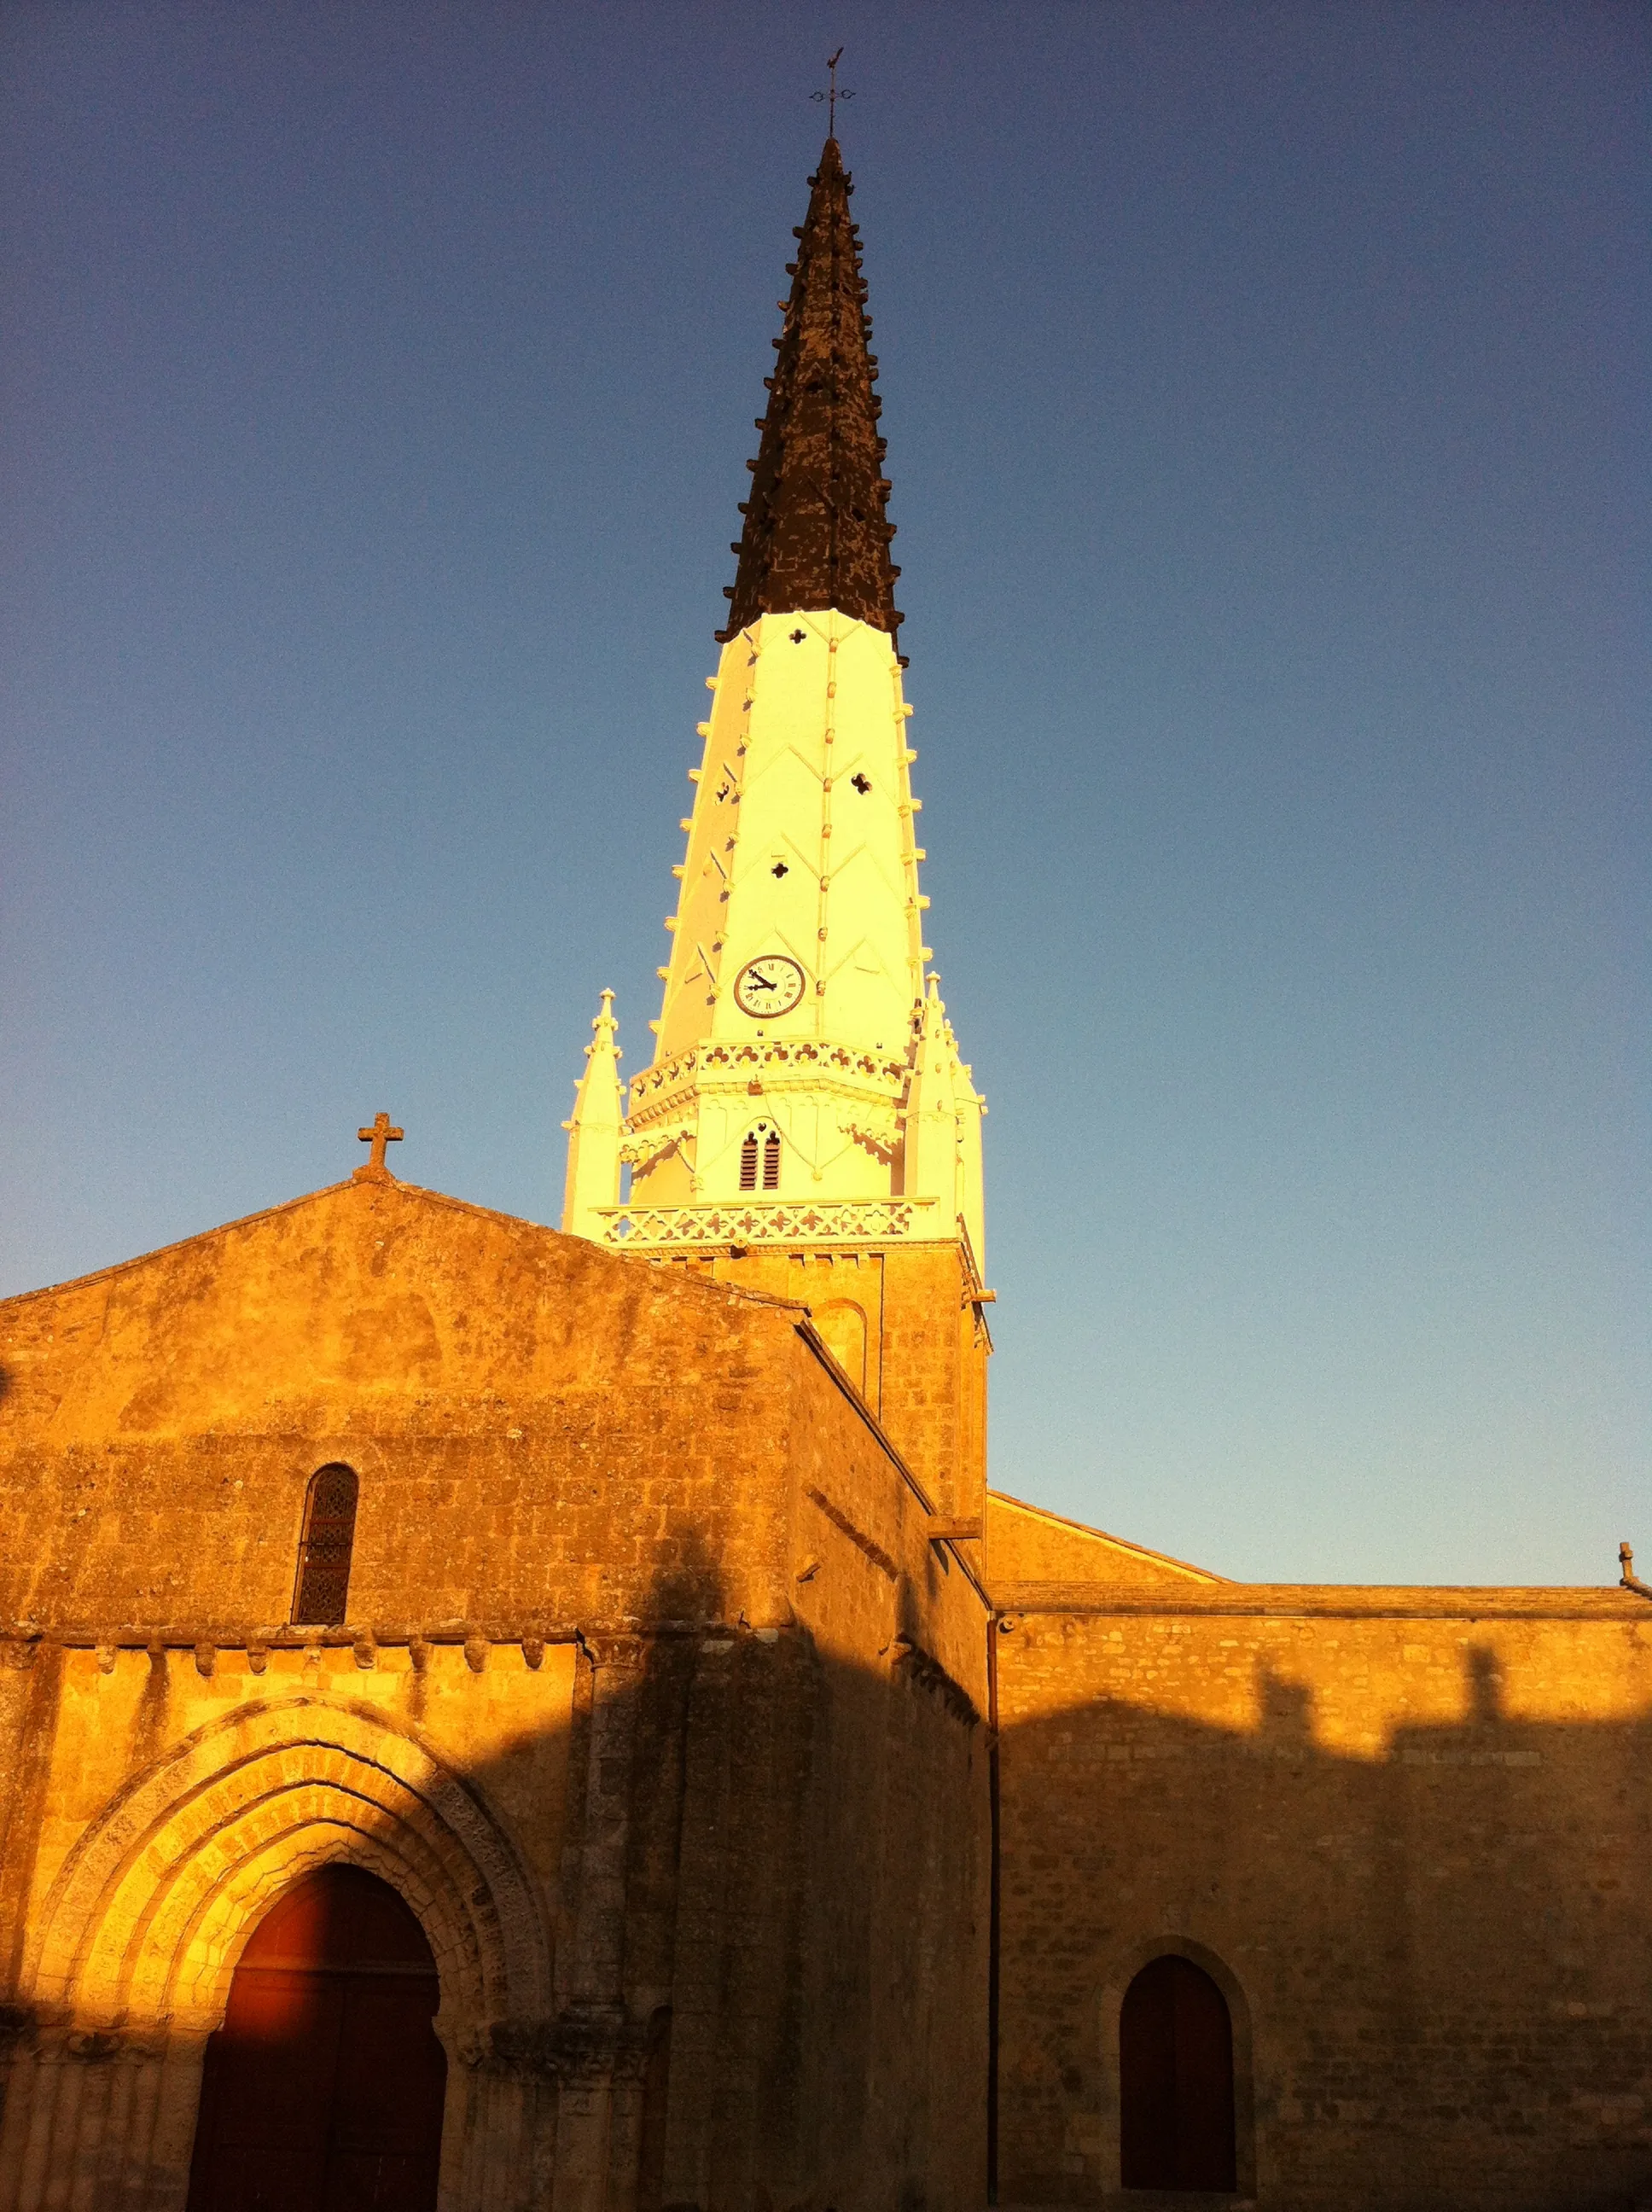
(815, 534)
(323, 1563)
(760, 1158)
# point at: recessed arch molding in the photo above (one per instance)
(131, 1957)
(1120, 1971)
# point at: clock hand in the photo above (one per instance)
(762, 983)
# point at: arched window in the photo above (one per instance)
(1176, 2079)
(760, 1158)
(323, 1557)
(842, 1327)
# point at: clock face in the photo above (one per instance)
(772, 985)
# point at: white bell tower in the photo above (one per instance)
(794, 1000)
(806, 1107)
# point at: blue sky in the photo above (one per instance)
(1266, 391)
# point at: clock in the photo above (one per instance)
(773, 985)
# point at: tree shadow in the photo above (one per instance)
(768, 1952)
(1443, 1942)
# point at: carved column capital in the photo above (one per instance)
(586, 2046)
(620, 1650)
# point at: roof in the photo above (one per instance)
(815, 534)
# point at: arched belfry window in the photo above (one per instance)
(760, 1158)
(1176, 2079)
(324, 1558)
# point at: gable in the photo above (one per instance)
(370, 1293)
(1028, 1544)
(540, 1429)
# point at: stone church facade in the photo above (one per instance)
(556, 1721)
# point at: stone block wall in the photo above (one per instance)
(651, 1681)
(899, 1322)
(1410, 1834)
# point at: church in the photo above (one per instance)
(524, 1720)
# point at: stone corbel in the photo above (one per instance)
(586, 2046)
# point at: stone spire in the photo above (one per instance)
(815, 535)
(805, 1126)
(931, 1117)
(596, 1130)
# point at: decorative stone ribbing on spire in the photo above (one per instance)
(815, 534)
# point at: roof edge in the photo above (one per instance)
(1106, 1536)
(1346, 1601)
(388, 1182)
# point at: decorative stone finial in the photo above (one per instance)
(604, 1027)
(932, 1118)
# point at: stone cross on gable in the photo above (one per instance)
(378, 1136)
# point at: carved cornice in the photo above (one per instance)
(609, 1642)
(659, 1093)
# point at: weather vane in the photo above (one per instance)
(832, 95)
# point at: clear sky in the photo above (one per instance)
(1265, 393)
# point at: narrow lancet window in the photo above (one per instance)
(324, 1559)
(772, 1161)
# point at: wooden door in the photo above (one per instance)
(1176, 2079)
(322, 2091)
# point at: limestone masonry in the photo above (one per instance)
(550, 1721)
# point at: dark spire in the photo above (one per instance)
(815, 535)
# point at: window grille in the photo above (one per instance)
(772, 1161)
(324, 1559)
(749, 1161)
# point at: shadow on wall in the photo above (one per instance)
(755, 1977)
(1438, 1960)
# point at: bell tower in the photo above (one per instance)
(806, 1126)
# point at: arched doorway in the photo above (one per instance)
(1176, 2079)
(323, 2087)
